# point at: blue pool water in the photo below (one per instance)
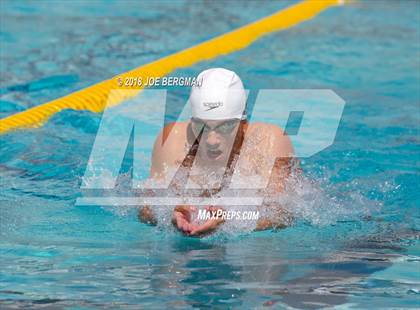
(356, 242)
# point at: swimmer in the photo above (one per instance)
(217, 138)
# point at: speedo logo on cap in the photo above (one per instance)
(212, 105)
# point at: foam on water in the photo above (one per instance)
(307, 199)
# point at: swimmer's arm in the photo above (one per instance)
(282, 150)
(146, 214)
(162, 156)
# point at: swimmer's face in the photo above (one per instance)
(217, 138)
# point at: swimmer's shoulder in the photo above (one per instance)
(169, 146)
(267, 128)
(172, 137)
(174, 132)
(271, 137)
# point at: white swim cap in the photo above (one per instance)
(220, 95)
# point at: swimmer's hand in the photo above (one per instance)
(182, 220)
(146, 216)
(182, 217)
(209, 225)
(265, 223)
(281, 219)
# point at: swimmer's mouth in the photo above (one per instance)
(214, 154)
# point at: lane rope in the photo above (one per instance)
(95, 98)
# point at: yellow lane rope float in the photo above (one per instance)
(95, 98)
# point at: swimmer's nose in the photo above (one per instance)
(212, 141)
